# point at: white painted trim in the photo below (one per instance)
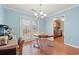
(71, 45)
(52, 27)
(21, 27)
(65, 9)
(38, 25)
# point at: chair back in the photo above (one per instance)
(21, 43)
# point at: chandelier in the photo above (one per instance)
(40, 14)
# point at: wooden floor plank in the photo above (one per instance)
(58, 48)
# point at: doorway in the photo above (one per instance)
(58, 26)
(27, 28)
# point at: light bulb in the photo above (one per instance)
(41, 12)
(35, 14)
(45, 14)
(62, 19)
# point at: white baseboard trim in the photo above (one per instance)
(71, 45)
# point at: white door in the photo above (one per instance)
(27, 28)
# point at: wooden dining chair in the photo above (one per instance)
(21, 44)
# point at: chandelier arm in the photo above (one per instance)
(39, 14)
(34, 10)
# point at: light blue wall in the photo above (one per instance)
(1, 14)
(49, 23)
(71, 25)
(42, 26)
(12, 18)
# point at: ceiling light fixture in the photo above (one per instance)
(40, 14)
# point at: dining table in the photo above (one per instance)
(41, 40)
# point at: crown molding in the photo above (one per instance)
(16, 10)
(66, 9)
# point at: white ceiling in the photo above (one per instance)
(47, 8)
